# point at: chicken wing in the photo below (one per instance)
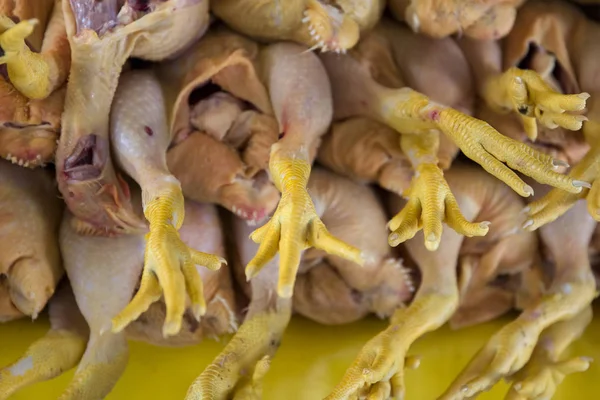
(359, 92)
(30, 267)
(379, 368)
(489, 19)
(37, 68)
(326, 25)
(329, 289)
(568, 297)
(102, 36)
(140, 137)
(104, 273)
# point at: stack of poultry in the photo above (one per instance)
(173, 132)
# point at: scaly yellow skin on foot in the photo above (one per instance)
(294, 226)
(525, 92)
(47, 358)
(378, 371)
(510, 349)
(169, 266)
(557, 202)
(28, 71)
(430, 201)
(409, 112)
(243, 364)
(549, 366)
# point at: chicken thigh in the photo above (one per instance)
(319, 24)
(378, 371)
(357, 91)
(329, 289)
(37, 58)
(30, 266)
(98, 266)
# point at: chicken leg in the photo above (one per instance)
(238, 370)
(102, 36)
(35, 75)
(548, 365)
(58, 351)
(572, 290)
(303, 110)
(140, 139)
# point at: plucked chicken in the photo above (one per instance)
(358, 91)
(30, 260)
(379, 368)
(299, 97)
(329, 289)
(99, 265)
(35, 64)
(533, 346)
(488, 19)
(319, 24)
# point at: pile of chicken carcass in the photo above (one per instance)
(282, 137)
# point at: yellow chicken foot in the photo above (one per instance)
(29, 72)
(572, 291)
(295, 224)
(525, 92)
(548, 366)
(557, 202)
(248, 355)
(430, 201)
(56, 352)
(169, 266)
(378, 371)
(408, 111)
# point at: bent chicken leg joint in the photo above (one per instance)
(299, 199)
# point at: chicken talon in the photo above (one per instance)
(29, 72)
(148, 293)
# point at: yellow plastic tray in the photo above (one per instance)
(311, 360)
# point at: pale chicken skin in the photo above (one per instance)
(97, 266)
(329, 289)
(363, 88)
(30, 264)
(481, 20)
(319, 24)
(36, 58)
(379, 367)
(102, 37)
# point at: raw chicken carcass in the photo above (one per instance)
(379, 367)
(380, 93)
(323, 24)
(104, 272)
(482, 20)
(294, 86)
(30, 214)
(37, 57)
(329, 289)
(102, 36)
(533, 346)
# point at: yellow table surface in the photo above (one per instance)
(311, 360)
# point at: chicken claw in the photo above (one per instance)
(165, 252)
(557, 202)
(295, 225)
(544, 372)
(378, 371)
(248, 354)
(28, 71)
(526, 92)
